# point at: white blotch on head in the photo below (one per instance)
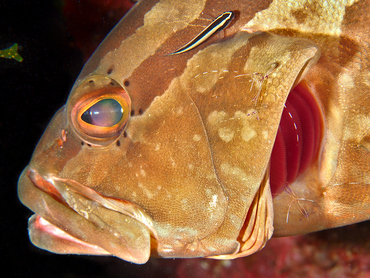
(197, 137)
(146, 191)
(326, 18)
(217, 117)
(247, 132)
(226, 134)
(366, 78)
(265, 134)
(142, 172)
(179, 111)
(173, 163)
(213, 203)
(345, 80)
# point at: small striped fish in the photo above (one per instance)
(218, 24)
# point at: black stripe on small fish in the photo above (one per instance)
(218, 24)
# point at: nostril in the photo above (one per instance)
(298, 138)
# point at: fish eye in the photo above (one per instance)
(105, 113)
(99, 110)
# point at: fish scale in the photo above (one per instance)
(173, 155)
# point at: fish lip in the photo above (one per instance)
(126, 239)
(49, 186)
(40, 228)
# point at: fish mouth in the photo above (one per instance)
(73, 218)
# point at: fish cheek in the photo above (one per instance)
(164, 165)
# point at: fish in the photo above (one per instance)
(218, 24)
(262, 131)
(11, 53)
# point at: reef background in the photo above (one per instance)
(55, 38)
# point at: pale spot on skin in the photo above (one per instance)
(84, 214)
(359, 128)
(298, 15)
(333, 139)
(197, 137)
(147, 192)
(185, 205)
(235, 171)
(251, 112)
(157, 147)
(207, 67)
(191, 167)
(116, 234)
(265, 134)
(179, 111)
(226, 134)
(173, 163)
(142, 172)
(345, 80)
(247, 132)
(213, 203)
(366, 78)
(329, 159)
(216, 117)
(240, 175)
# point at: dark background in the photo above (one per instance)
(31, 92)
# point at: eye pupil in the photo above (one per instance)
(104, 113)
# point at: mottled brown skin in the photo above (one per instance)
(190, 174)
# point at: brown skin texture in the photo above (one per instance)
(190, 174)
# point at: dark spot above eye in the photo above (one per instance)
(118, 143)
(125, 134)
(140, 111)
(112, 84)
(91, 81)
(82, 143)
(109, 71)
(132, 112)
(126, 83)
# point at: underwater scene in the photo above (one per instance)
(43, 49)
